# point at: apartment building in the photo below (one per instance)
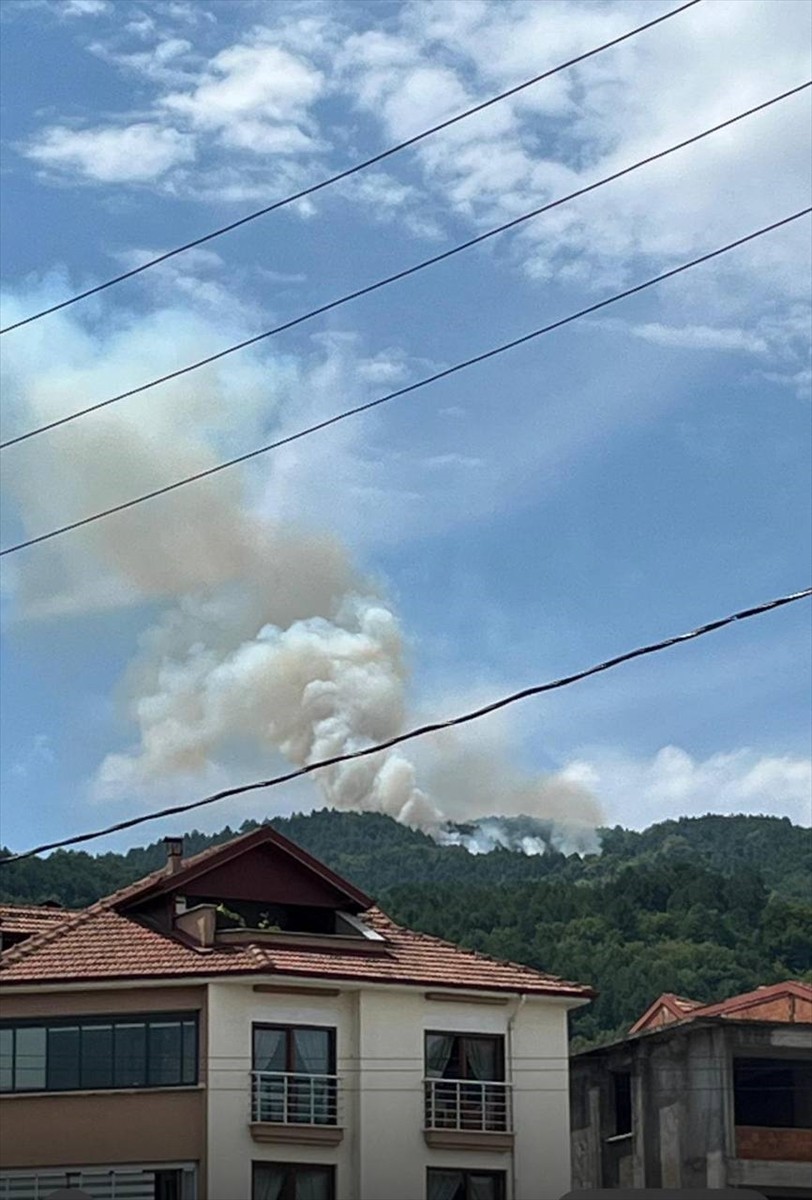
(247, 1025)
(701, 1096)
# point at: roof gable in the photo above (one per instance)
(261, 866)
(790, 1001)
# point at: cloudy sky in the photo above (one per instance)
(627, 477)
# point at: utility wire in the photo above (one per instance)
(422, 730)
(361, 166)
(412, 387)
(380, 283)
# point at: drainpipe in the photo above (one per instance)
(520, 1001)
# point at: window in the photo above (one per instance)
(622, 1100)
(294, 1080)
(773, 1092)
(465, 1056)
(292, 1181)
(465, 1086)
(87, 1053)
(465, 1185)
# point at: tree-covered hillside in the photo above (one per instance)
(705, 907)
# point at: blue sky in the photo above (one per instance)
(625, 478)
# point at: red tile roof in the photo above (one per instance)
(105, 942)
(29, 918)
(773, 1002)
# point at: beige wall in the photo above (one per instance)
(102, 1128)
(105, 1127)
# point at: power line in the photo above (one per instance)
(403, 274)
(361, 166)
(412, 387)
(422, 730)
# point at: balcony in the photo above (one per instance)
(288, 1107)
(468, 1114)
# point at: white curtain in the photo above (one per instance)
(312, 1185)
(444, 1185)
(268, 1182)
(269, 1050)
(482, 1187)
(481, 1056)
(438, 1054)
(312, 1056)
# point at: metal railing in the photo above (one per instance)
(284, 1098)
(468, 1104)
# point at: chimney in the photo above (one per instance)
(174, 853)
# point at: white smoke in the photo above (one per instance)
(268, 637)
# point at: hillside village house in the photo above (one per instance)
(246, 1025)
(701, 1096)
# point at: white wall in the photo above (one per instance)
(380, 1045)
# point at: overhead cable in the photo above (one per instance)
(422, 730)
(403, 274)
(353, 170)
(412, 387)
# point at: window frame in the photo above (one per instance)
(462, 1036)
(289, 1186)
(467, 1172)
(90, 1020)
(289, 1028)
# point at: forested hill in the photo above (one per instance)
(705, 907)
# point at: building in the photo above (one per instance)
(701, 1096)
(246, 1025)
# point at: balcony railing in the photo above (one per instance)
(282, 1098)
(468, 1105)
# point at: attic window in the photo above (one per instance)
(263, 917)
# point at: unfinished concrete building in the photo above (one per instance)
(701, 1096)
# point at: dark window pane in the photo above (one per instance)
(311, 1051)
(6, 1060)
(623, 1102)
(97, 1056)
(270, 1050)
(167, 1185)
(165, 1052)
(269, 1182)
(312, 1183)
(189, 1073)
(130, 1055)
(446, 1185)
(29, 1071)
(482, 1186)
(483, 1058)
(63, 1058)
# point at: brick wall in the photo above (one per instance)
(774, 1145)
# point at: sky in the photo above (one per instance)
(627, 477)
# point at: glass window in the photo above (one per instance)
(294, 1075)
(465, 1185)
(6, 1060)
(465, 1056)
(63, 1058)
(130, 1055)
(189, 1065)
(29, 1058)
(165, 1052)
(292, 1181)
(93, 1052)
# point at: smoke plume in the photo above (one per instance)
(262, 635)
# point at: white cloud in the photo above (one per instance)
(700, 337)
(256, 96)
(127, 154)
(638, 792)
(83, 8)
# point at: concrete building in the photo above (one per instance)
(246, 1025)
(701, 1096)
